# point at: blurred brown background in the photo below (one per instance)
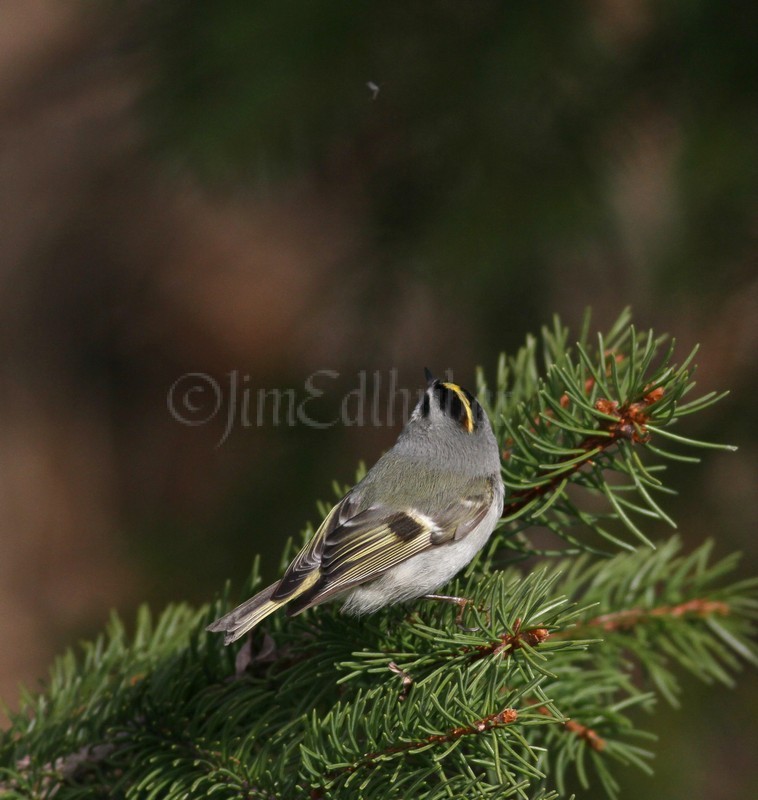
(215, 187)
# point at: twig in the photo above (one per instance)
(507, 643)
(629, 618)
(630, 424)
(595, 741)
(499, 720)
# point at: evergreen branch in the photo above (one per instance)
(539, 685)
(629, 618)
(498, 720)
(508, 643)
(583, 732)
(230, 738)
(671, 613)
(582, 416)
(523, 498)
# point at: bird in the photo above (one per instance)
(418, 516)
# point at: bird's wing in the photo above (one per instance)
(349, 550)
(303, 569)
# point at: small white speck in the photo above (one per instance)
(374, 88)
(424, 520)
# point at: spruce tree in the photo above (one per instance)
(528, 688)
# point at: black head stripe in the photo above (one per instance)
(451, 403)
(445, 398)
(476, 408)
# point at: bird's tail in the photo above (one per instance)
(246, 616)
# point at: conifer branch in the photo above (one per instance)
(507, 643)
(581, 416)
(583, 732)
(498, 720)
(537, 687)
(629, 423)
(630, 618)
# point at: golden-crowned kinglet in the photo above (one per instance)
(419, 516)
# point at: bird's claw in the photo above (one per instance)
(461, 602)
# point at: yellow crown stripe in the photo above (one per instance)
(469, 423)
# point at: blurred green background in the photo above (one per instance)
(277, 188)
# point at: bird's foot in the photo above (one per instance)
(462, 603)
